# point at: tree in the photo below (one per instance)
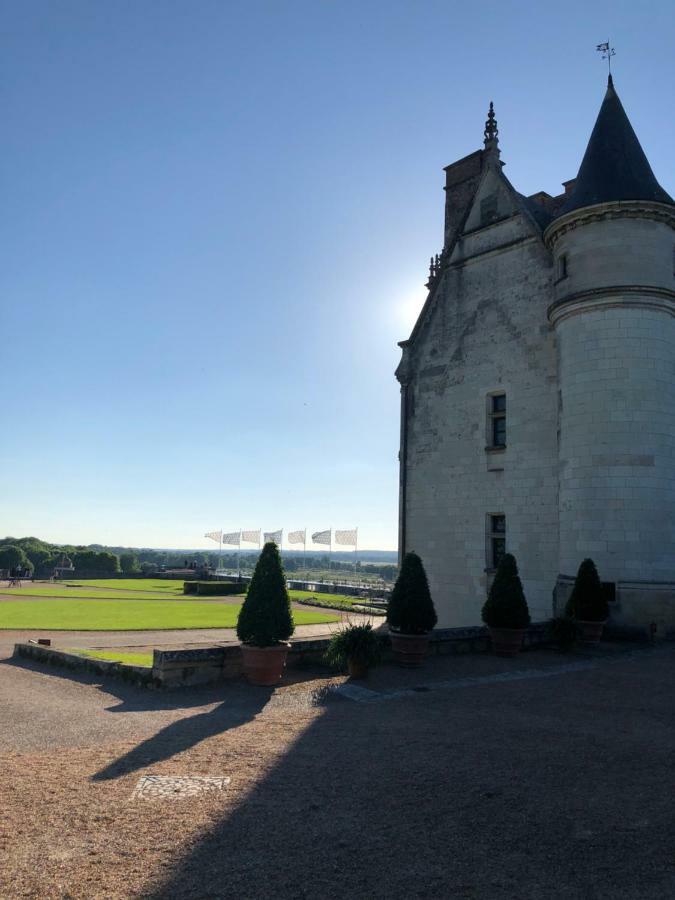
(129, 563)
(265, 617)
(587, 602)
(13, 557)
(506, 606)
(411, 609)
(103, 563)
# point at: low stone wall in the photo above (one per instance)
(205, 665)
(134, 674)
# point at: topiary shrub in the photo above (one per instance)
(410, 609)
(265, 617)
(506, 606)
(587, 602)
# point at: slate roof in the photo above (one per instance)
(614, 166)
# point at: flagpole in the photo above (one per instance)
(220, 551)
(239, 556)
(356, 544)
(304, 551)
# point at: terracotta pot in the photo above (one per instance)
(356, 669)
(264, 665)
(409, 649)
(507, 641)
(591, 632)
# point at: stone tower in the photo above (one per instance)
(613, 313)
(538, 386)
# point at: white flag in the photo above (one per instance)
(297, 537)
(346, 537)
(274, 536)
(216, 536)
(251, 537)
(321, 537)
(233, 537)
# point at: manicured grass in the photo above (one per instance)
(165, 585)
(129, 659)
(76, 593)
(312, 595)
(128, 615)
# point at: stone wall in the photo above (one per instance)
(207, 665)
(486, 332)
(614, 315)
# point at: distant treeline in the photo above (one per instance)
(42, 558)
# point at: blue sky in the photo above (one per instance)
(217, 222)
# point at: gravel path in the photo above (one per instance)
(558, 785)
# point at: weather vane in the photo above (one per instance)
(607, 53)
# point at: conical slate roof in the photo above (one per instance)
(614, 166)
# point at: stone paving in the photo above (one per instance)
(546, 777)
(176, 787)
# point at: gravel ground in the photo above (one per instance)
(558, 785)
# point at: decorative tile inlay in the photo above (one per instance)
(176, 787)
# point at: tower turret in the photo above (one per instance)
(614, 317)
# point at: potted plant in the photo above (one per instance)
(410, 613)
(587, 604)
(563, 631)
(357, 647)
(265, 620)
(505, 611)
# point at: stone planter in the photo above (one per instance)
(591, 632)
(264, 665)
(507, 641)
(409, 649)
(356, 669)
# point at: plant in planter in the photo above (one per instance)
(505, 611)
(587, 604)
(265, 620)
(410, 613)
(357, 646)
(564, 633)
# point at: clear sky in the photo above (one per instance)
(217, 220)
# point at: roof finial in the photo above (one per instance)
(607, 53)
(491, 130)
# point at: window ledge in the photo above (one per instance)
(498, 448)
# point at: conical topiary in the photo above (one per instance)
(265, 617)
(587, 602)
(411, 609)
(506, 606)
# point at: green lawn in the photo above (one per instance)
(131, 584)
(48, 590)
(137, 589)
(128, 615)
(129, 659)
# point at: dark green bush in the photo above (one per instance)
(356, 642)
(564, 632)
(506, 606)
(411, 609)
(214, 588)
(587, 602)
(265, 617)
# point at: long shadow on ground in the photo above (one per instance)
(184, 734)
(557, 788)
(133, 698)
